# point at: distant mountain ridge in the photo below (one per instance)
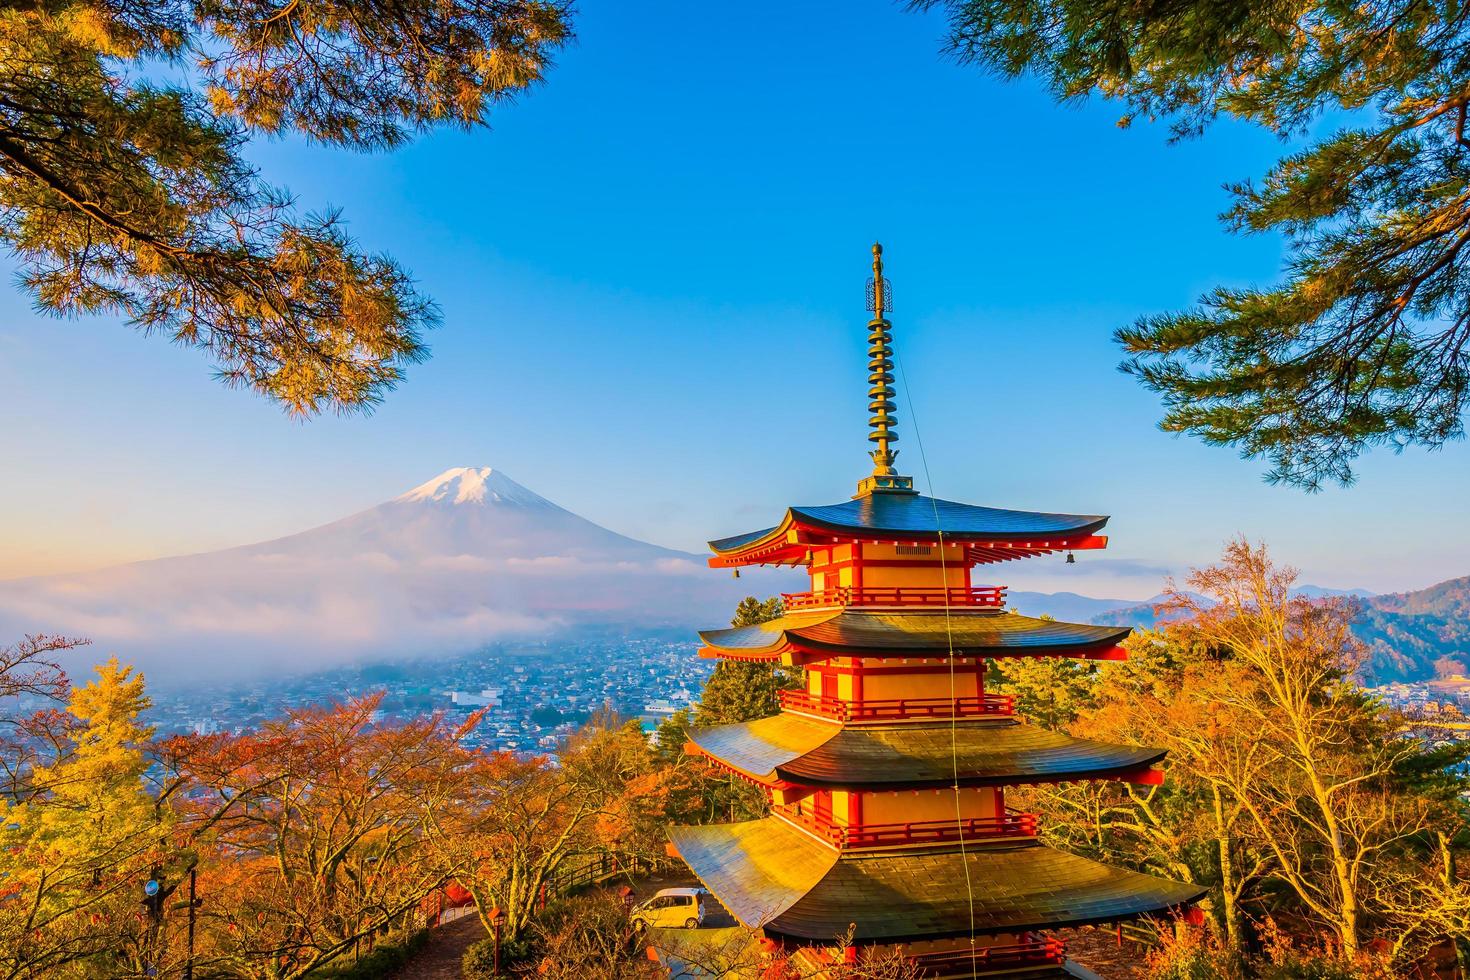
(1410, 636)
(1066, 606)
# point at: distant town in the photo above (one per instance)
(1445, 698)
(533, 694)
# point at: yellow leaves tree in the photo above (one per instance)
(1171, 694)
(81, 842)
(1318, 783)
(1289, 790)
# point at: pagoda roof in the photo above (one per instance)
(773, 876)
(966, 631)
(789, 748)
(916, 517)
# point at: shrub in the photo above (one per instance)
(385, 959)
(1193, 956)
(479, 959)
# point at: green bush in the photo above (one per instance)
(385, 959)
(479, 959)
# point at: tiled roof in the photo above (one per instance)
(986, 752)
(991, 632)
(771, 875)
(918, 516)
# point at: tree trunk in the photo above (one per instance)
(1228, 910)
(1347, 917)
(1449, 874)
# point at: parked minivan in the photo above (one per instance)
(671, 908)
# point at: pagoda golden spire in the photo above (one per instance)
(880, 392)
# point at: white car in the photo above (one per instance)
(671, 908)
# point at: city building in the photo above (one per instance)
(888, 773)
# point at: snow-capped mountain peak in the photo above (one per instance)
(474, 485)
(471, 557)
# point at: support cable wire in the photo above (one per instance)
(954, 752)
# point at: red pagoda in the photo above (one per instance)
(888, 773)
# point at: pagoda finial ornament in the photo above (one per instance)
(885, 478)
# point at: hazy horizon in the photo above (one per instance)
(639, 240)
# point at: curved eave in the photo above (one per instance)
(772, 876)
(802, 637)
(1141, 773)
(957, 522)
(789, 750)
(754, 749)
(988, 534)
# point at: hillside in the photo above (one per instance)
(1411, 636)
(1416, 635)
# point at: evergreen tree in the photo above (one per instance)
(1367, 341)
(126, 194)
(1049, 691)
(744, 690)
(752, 611)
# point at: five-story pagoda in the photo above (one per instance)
(887, 774)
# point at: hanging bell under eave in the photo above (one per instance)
(1071, 558)
(734, 573)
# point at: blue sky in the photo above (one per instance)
(651, 271)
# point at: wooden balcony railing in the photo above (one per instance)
(992, 596)
(987, 958)
(895, 709)
(1013, 824)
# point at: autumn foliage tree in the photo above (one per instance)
(1291, 794)
(516, 824)
(31, 670)
(313, 831)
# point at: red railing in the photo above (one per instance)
(915, 832)
(895, 709)
(992, 957)
(993, 596)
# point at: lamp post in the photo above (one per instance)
(194, 904)
(497, 919)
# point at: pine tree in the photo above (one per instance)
(126, 194)
(1367, 341)
(743, 690)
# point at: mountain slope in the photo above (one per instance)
(467, 558)
(1410, 636)
(1416, 635)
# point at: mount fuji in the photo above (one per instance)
(468, 558)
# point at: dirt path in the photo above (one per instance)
(440, 959)
(1099, 951)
